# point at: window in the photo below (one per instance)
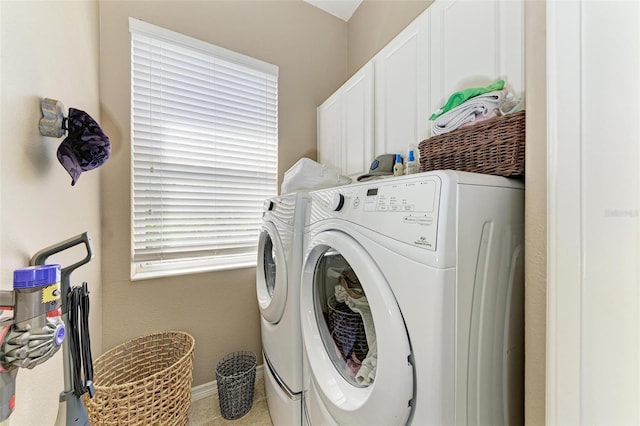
(204, 134)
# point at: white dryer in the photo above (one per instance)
(412, 302)
(278, 289)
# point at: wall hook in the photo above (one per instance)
(53, 122)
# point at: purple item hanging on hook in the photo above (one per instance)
(85, 148)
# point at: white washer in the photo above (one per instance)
(278, 289)
(439, 340)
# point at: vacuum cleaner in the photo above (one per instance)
(48, 314)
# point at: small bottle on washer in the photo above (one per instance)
(398, 168)
(411, 165)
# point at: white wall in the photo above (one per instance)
(49, 49)
(593, 322)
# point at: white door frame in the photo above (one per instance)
(563, 307)
(593, 324)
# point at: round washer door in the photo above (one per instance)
(384, 396)
(271, 274)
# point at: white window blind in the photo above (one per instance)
(204, 124)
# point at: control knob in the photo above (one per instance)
(337, 202)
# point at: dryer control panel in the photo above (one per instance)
(405, 209)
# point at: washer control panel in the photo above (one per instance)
(405, 209)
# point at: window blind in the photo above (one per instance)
(204, 124)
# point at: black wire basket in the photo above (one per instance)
(347, 329)
(236, 377)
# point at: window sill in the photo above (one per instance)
(148, 270)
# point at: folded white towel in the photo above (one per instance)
(307, 175)
(468, 112)
(367, 372)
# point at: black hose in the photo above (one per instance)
(79, 341)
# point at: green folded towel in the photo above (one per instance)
(459, 97)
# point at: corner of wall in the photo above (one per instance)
(535, 213)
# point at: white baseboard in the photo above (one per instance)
(211, 389)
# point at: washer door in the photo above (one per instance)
(271, 274)
(354, 334)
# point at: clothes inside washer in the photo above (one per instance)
(349, 281)
(367, 371)
(347, 331)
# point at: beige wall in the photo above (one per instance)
(374, 24)
(49, 49)
(218, 309)
(535, 213)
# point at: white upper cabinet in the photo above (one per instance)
(453, 45)
(473, 44)
(357, 125)
(402, 89)
(330, 132)
(345, 125)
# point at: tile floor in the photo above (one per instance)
(206, 412)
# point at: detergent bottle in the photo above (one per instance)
(398, 167)
(411, 165)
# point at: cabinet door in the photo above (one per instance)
(357, 122)
(473, 44)
(330, 132)
(402, 89)
(345, 125)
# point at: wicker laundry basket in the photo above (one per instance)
(495, 146)
(145, 381)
